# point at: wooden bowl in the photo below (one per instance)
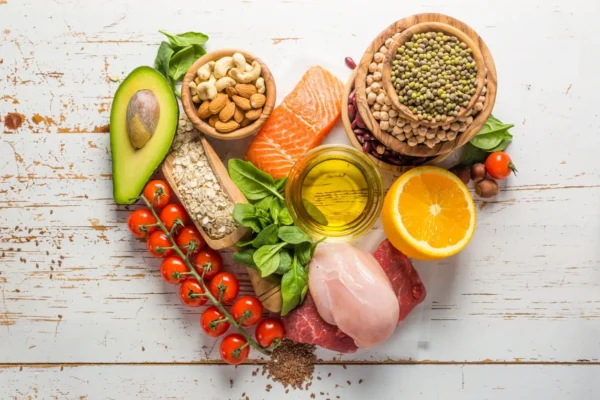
(227, 185)
(192, 110)
(352, 137)
(404, 37)
(421, 150)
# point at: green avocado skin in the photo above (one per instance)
(133, 168)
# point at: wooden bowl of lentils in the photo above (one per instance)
(403, 132)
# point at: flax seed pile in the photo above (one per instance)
(292, 364)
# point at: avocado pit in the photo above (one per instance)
(143, 114)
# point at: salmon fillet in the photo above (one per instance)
(298, 124)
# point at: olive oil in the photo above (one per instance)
(334, 193)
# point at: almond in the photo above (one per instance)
(257, 100)
(217, 104)
(245, 122)
(253, 115)
(227, 112)
(226, 127)
(213, 120)
(238, 115)
(203, 111)
(245, 90)
(230, 90)
(242, 103)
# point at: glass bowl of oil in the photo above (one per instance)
(334, 191)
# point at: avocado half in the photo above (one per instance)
(143, 122)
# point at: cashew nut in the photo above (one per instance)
(240, 62)
(212, 79)
(224, 83)
(246, 77)
(206, 91)
(249, 68)
(260, 85)
(205, 71)
(222, 66)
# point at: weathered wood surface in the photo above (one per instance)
(76, 288)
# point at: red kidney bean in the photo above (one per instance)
(352, 98)
(350, 63)
(359, 121)
(360, 138)
(368, 136)
(375, 154)
(366, 147)
(351, 112)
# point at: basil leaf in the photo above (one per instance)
(264, 204)
(267, 258)
(244, 257)
(285, 262)
(266, 237)
(294, 285)
(284, 217)
(186, 39)
(252, 182)
(293, 235)
(181, 62)
(473, 155)
(245, 215)
(280, 183)
(314, 212)
(275, 209)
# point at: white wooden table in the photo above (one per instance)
(85, 315)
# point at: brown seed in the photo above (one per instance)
(227, 112)
(257, 100)
(213, 120)
(463, 173)
(230, 91)
(226, 127)
(242, 103)
(203, 110)
(478, 172)
(253, 115)
(245, 122)
(245, 90)
(238, 115)
(217, 104)
(487, 188)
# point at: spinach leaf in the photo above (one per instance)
(185, 39)
(492, 134)
(181, 62)
(244, 257)
(267, 258)
(305, 251)
(244, 243)
(161, 63)
(275, 209)
(264, 204)
(245, 215)
(473, 155)
(502, 144)
(294, 286)
(266, 237)
(314, 212)
(280, 183)
(292, 235)
(284, 217)
(285, 262)
(252, 182)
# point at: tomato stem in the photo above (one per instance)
(213, 324)
(512, 167)
(218, 303)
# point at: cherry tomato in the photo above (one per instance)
(159, 245)
(225, 283)
(192, 294)
(211, 260)
(157, 193)
(138, 222)
(499, 165)
(172, 213)
(187, 235)
(247, 310)
(213, 322)
(234, 349)
(269, 330)
(171, 269)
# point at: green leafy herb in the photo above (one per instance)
(186, 39)
(305, 251)
(252, 182)
(245, 257)
(293, 235)
(267, 258)
(266, 237)
(285, 262)
(264, 203)
(275, 209)
(280, 183)
(473, 155)
(182, 61)
(161, 62)
(284, 217)
(245, 215)
(294, 286)
(492, 134)
(244, 242)
(314, 212)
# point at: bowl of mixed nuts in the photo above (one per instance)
(228, 94)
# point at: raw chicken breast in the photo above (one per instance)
(351, 290)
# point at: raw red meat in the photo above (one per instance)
(305, 325)
(403, 276)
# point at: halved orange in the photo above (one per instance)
(429, 214)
